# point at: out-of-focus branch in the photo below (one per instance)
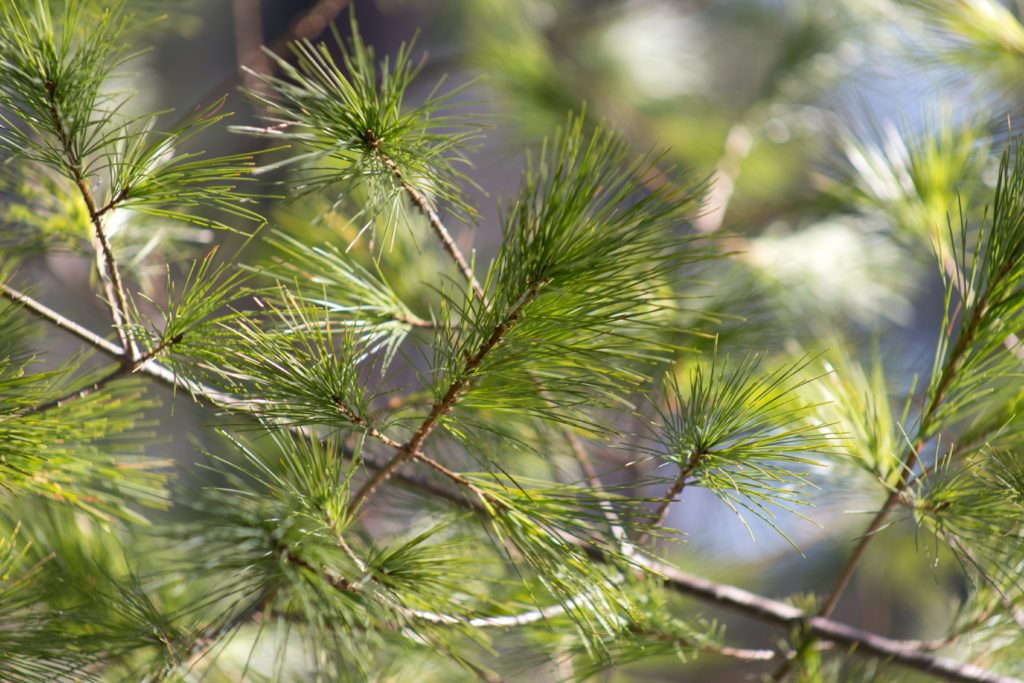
(249, 38)
(249, 42)
(738, 143)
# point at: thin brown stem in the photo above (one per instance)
(445, 403)
(670, 496)
(110, 275)
(58, 320)
(925, 426)
(459, 479)
(673, 492)
(119, 372)
(423, 204)
(904, 653)
(164, 375)
(106, 263)
(415, 321)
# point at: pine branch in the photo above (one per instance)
(56, 319)
(209, 395)
(424, 207)
(463, 379)
(912, 654)
(966, 337)
(733, 598)
(904, 653)
(452, 248)
(106, 263)
(158, 372)
(121, 371)
(658, 516)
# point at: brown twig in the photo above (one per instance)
(121, 371)
(673, 492)
(61, 321)
(106, 263)
(445, 403)
(904, 653)
(423, 205)
(149, 367)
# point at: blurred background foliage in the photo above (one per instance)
(844, 139)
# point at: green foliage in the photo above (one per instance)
(53, 105)
(576, 290)
(741, 433)
(352, 115)
(357, 296)
(417, 475)
(918, 182)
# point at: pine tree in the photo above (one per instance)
(398, 481)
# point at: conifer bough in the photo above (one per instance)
(388, 485)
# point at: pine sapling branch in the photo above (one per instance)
(424, 207)
(906, 653)
(63, 322)
(459, 479)
(912, 654)
(145, 365)
(149, 367)
(446, 402)
(949, 371)
(106, 263)
(452, 248)
(119, 372)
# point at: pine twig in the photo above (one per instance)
(106, 263)
(164, 375)
(119, 372)
(446, 402)
(459, 479)
(912, 654)
(897, 493)
(423, 205)
(904, 653)
(60, 321)
(924, 426)
(673, 492)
